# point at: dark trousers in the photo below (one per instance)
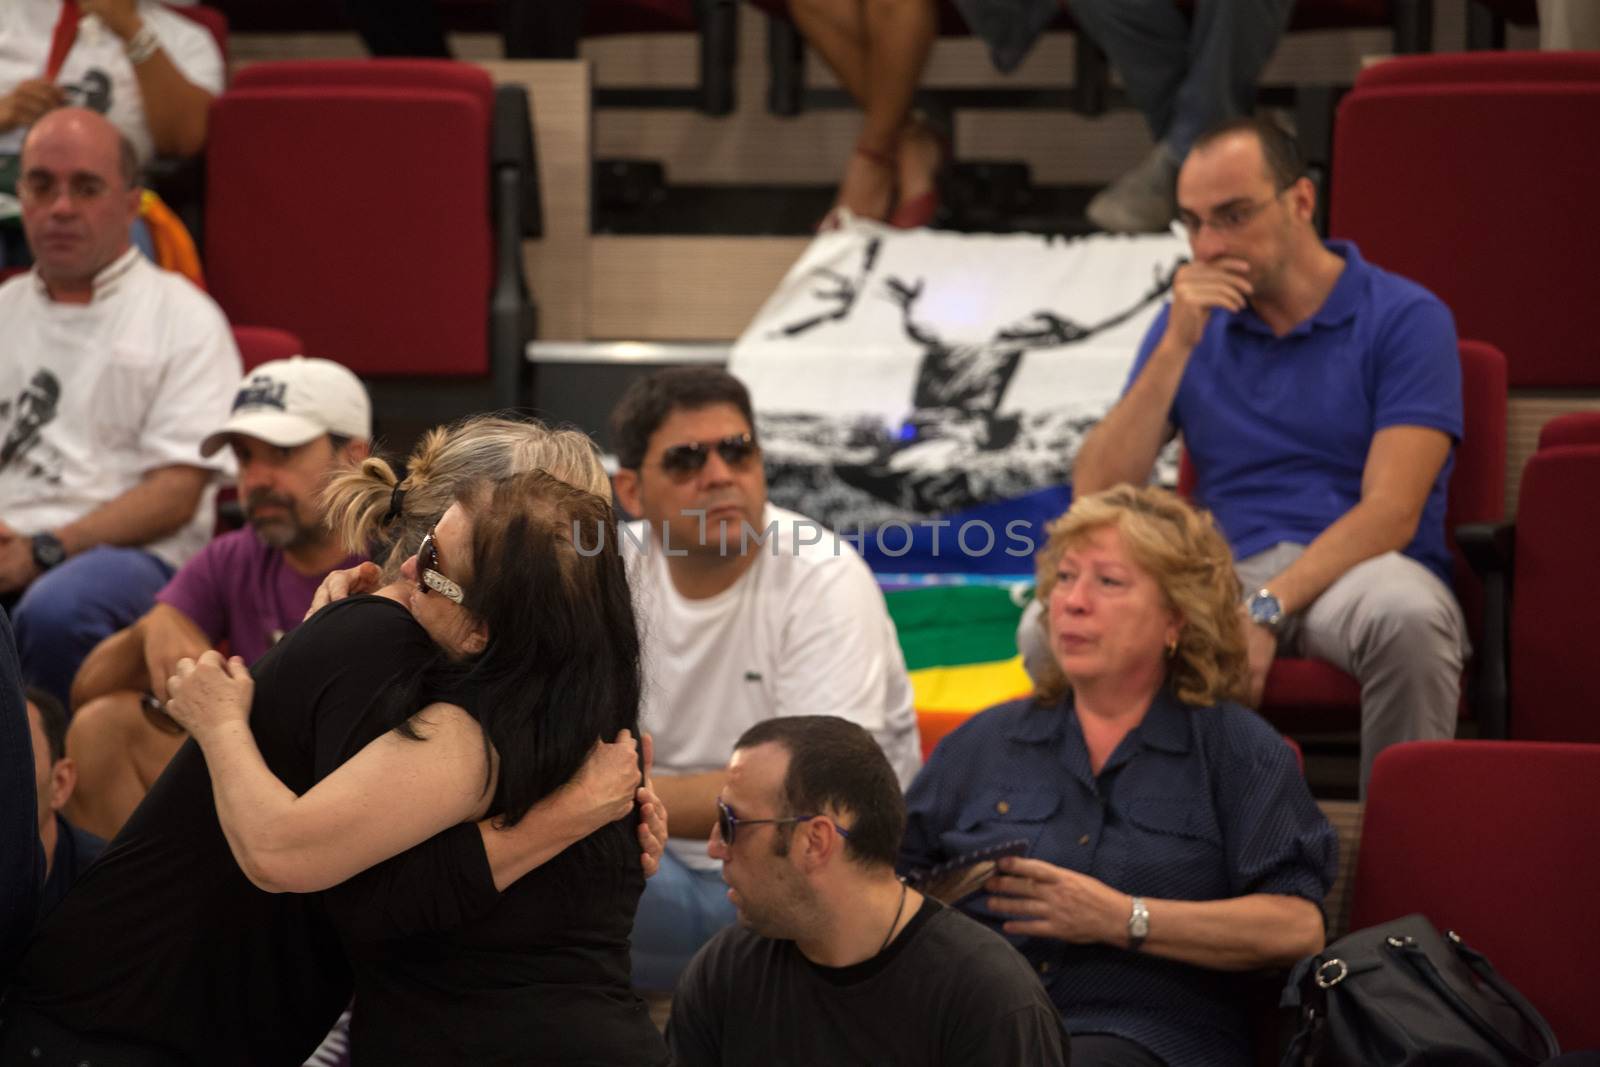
(1186, 76)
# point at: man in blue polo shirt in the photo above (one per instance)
(1319, 398)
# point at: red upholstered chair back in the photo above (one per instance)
(1471, 189)
(1480, 68)
(263, 344)
(1574, 428)
(1554, 646)
(350, 203)
(1495, 840)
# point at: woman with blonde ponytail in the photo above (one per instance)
(534, 661)
(496, 852)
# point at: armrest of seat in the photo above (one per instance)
(719, 54)
(1413, 26)
(1489, 548)
(512, 148)
(518, 213)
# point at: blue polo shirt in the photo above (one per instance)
(1278, 427)
(1194, 804)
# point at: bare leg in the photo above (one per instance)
(877, 48)
(119, 752)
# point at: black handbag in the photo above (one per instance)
(1401, 994)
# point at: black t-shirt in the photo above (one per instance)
(540, 975)
(165, 942)
(76, 850)
(946, 993)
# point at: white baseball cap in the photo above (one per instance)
(288, 402)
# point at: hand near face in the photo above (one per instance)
(23, 105)
(363, 578)
(210, 692)
(1262, 647)
(1200, 288)
(1049, 901)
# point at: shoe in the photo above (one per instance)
(1144, 200)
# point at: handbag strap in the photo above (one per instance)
(1408, 950)
(1509, 993)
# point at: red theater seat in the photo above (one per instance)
(1556, 566)
(1476, 184)
(351, 202)
(1495, 840)
(263, 344)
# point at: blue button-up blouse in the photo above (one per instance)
(1194, 804)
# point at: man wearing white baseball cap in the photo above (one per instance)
(293, 423)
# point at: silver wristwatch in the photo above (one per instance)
(1138, 924)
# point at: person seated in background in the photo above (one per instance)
(114, 370)
(749, 612)
(1319, 399)
(68, 849)
(834, 959)
(150, 71)
(294, 422)
(1185, 73)
(1172, 841)
(877, 50)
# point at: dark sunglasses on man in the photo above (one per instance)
(687, 460)
(728, 823)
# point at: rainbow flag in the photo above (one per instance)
(959, 641)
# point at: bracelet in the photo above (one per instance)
(142, 45)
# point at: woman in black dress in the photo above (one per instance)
(537, 660)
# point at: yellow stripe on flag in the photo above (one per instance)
(964, 690)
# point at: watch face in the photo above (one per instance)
(47, 551)
(1266, 609)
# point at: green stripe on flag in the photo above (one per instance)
(954, 625)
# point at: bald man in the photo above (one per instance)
(115, 371)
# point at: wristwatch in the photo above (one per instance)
(1265, 609)
(47, 550)
(1138, 924)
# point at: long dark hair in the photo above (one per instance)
(561, 668)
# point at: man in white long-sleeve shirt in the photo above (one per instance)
(748, 612)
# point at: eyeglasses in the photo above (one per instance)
(728, 823)
(685, 461)
(42, 187)
(428, 576)
(1228, 219)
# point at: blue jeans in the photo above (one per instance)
(72, 608)
(680, 909)
(1186, 75)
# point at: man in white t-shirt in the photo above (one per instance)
(150, 71)
(748, 612)
(114, 371)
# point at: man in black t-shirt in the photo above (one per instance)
(834, 959)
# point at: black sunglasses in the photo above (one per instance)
(728, 823)
(428, 576)
(684, 460)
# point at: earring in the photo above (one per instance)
(1172, 647)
